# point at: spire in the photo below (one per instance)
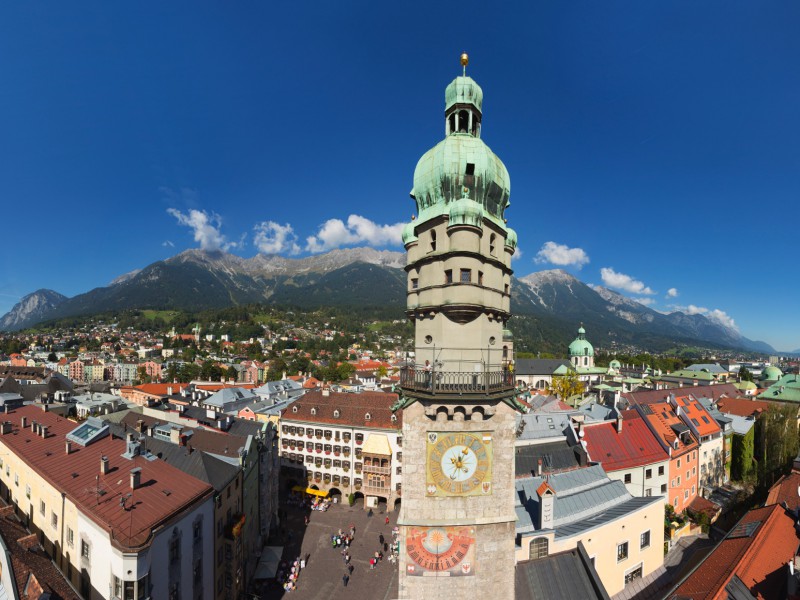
(464, 62)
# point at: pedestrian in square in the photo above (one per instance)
(345, 579)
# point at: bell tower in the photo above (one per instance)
(457, 392)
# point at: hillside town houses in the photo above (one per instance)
(594, 471)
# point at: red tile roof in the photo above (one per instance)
(160, 389)
(759, 559)
(698, 415)
(661, 417)
(29, 561)
(352, 409)
(634, 446)
(742, 407)
(76, 474)
(786, 489)
(706, 391)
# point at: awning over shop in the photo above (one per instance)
(311, 491)
(377, 444)
(269, 562)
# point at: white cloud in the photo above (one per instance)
(167, 244)
(334, 233)
(517, 254)
(205, 227)
(645, 301)
(562, 255)
(672, 293)
(623, 282)
(274, 238)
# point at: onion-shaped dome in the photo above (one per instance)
(615, 364)
(463, 90)
(409, 235)
(466, 212)
(511, 238)
(771, 374)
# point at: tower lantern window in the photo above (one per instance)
(466, 275)
(433, 241)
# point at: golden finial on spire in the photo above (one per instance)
(464, 62)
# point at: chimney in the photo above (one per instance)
(129, 437)
(169, 391)
(546, 506)
(104, 465)
(33, 427)
(44, 431)
(24, 422)
(6, 427)
(68, 447)
(136, 477)
(539, 470)
(619, 423)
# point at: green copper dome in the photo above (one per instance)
(615, 364)
(771, 374)
(511, 238)
(465, 212)
(457, 162)
(463, 90)
(580, 345)
(409, 235)
(461, 165)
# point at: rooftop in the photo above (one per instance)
(669, 428)
(564, 575)
(346, 410)
(634, 446)
(757, 550)
(584, 499)
(164, 491)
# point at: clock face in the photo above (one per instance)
(459, 463)
(442, 551)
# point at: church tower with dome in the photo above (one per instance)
(581, 352)
(457, 517)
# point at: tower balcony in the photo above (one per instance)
(457, 378)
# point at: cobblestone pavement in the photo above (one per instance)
(322, 577)
(683, 557)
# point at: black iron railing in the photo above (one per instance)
(433, 381)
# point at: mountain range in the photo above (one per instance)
(358, 277)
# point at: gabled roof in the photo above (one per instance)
(757, 550)
(565, 575)
(786, 489)
(634, 446)
(715, 391)
(668, 427)
(539, 366)
(352, 410)
(743, 407)
(693, 411)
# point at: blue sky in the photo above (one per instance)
(652, 147)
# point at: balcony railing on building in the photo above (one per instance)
(458, 371)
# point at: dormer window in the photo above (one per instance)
(367, 417)
(336, 414)
(294, 409)
(313, 411)
(394, 418)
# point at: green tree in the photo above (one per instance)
(566, 386)
(779, 442)
(744, 374)
(743, 449)
(231, 373)
(52, 357)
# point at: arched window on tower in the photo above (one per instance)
(451, 123)
(433, 240)
(463, 121)
(492, 244)
(585, 361)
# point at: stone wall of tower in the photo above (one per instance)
(492, 516)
